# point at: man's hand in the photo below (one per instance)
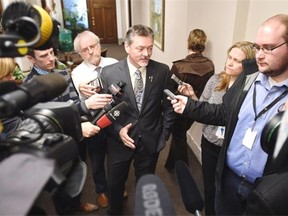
(126, 139)
(179, 103)
(98, 101)
(187, 90)
(89, 130)
(86, 89)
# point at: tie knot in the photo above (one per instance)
(138, 74)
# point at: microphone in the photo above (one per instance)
(116, 89)
(104, 110)
(152, 197)
(190, 193)
(39, 89)
(24, 26)
(112, 115)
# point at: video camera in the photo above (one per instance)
(49, 131)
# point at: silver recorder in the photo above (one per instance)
(176, 79)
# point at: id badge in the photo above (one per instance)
(220, 132)
(249, 138)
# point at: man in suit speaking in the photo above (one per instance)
(141, 133)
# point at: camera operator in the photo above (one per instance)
(45, 62)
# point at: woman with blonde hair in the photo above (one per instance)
(7, 66)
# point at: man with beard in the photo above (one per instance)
(248, 105)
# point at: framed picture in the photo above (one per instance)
(157, 21)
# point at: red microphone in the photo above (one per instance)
(112, 115)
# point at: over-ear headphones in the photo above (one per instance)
(270, 132)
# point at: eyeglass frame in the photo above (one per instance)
(267, 50)
(86, 49)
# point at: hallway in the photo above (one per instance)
(169, 180)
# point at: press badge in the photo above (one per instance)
(220, 132)
(249, 138)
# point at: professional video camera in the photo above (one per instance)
(42, 153)
(49, 131)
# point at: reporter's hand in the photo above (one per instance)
(187, 90)
(89, 130)
(126, 139)
(179, 103)
(86, 89)
(98, 101)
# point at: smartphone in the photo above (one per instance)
(176, 79)
(169, 93)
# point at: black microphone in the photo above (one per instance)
(190, 193)
(104, 110)
(116, 89)
(112, 115)
(152, 197)
(38, 89)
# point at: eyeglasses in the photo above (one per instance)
(267, 49)
(87, 49)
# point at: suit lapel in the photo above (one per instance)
(150, 79)
(125, 76)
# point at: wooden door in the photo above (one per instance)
(102, 20)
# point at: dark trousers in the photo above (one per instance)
(210, 154)
(231, 200)
(97, 150)
(178, 147)
(144, 163)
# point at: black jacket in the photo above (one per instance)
(156, 116)
(225, 114)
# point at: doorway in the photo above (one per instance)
(102, 20)
(99, 16)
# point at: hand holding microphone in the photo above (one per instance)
(116, 89)
(112, 115)
(89, 129)
(98, 101)
(89, 88)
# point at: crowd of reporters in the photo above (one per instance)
(143, 132)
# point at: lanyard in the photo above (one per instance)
(267, 107)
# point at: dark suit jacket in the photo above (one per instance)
(156, 116)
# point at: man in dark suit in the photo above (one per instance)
(142, 131)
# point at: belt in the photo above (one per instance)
(231, 174)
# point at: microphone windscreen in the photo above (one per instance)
(16, 10)
(47, 87)
(190, 193)
(152, 197)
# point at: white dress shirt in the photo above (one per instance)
(85, 72)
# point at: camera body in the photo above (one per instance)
(51, 130)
